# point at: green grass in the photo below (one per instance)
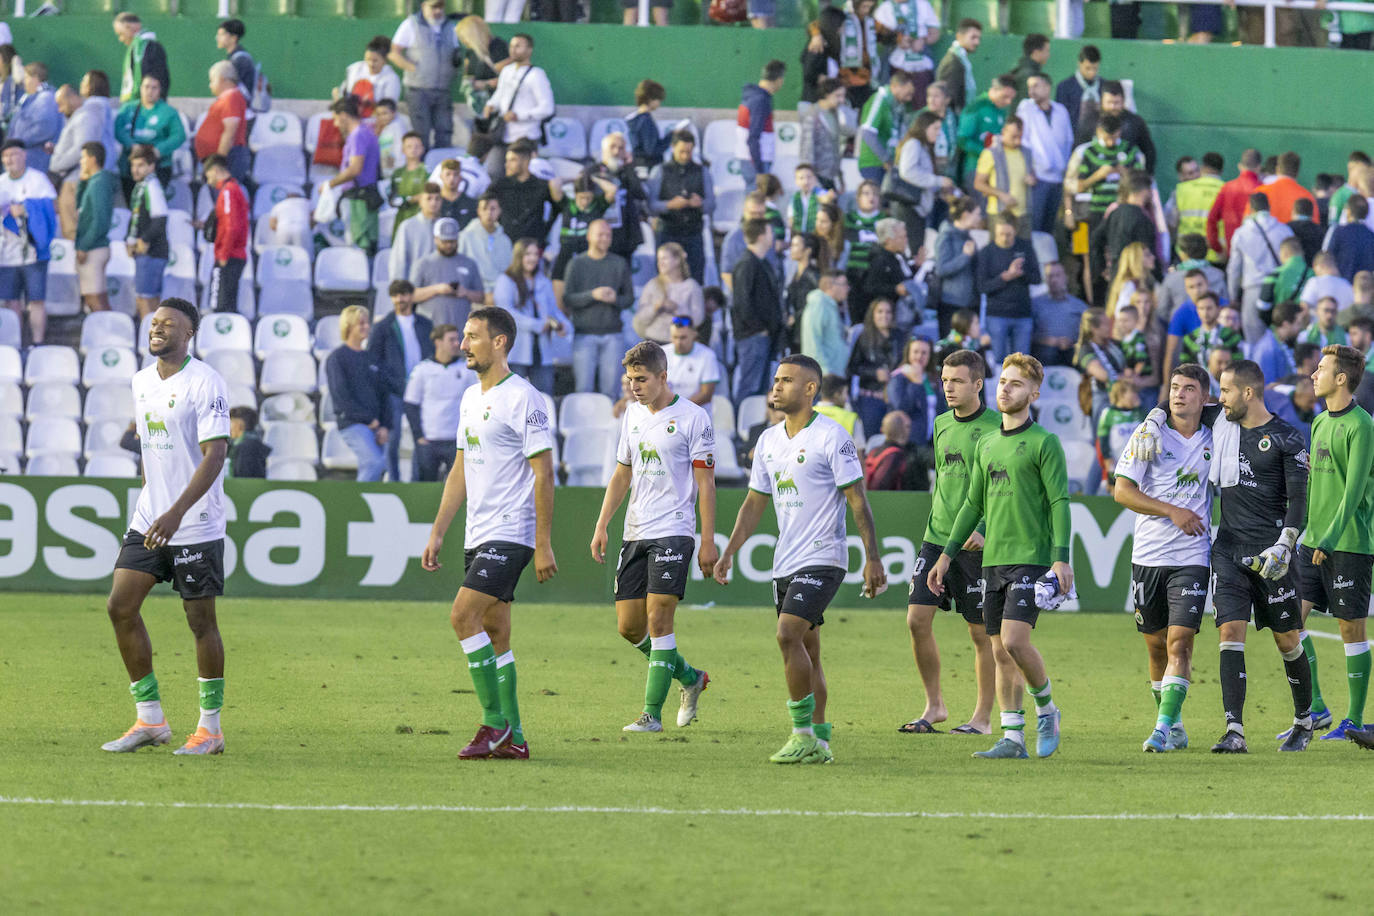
(337, 703)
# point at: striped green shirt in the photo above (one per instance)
(1122, 156)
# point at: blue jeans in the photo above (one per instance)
(434, 459)
(1045, 200)
(871, 411)
(596, 355)
(749, 173)
(431, 109)
(371, 456)
(1009, 335)
(753, 358)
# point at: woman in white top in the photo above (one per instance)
(370, 79)
(672, 293)
(914, 193)
(527, 294)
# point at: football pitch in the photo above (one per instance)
(340, 790)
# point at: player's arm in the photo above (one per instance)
(455, 494)
(615, 494)
(544, 565)
(965, 523)
(1356, 480)
(707, 554)
(750, 513)
(875, 577)
(1055, 479)
(164, 527)
(1127, 493)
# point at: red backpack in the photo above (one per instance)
(885, 468)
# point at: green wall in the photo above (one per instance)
(1196, 98)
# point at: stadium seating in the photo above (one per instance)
(225, 331)
(119, 279)
(292, 440)
(600, 128)
(53, 436)
(341, 270)
(103, 437)
(289, 407)
(179, 279)
(9, 461)
(287, 370)
(109, 402)
(753, 410)
(567, 139)
(106, 329)
(327, 337)
(291, 469)
(719, 141)
(111, 465)
(281, 165)
(64, 297)
(336, 455)
(276, 128)
(11, 433)
(11, 364)
(53, 399)
(235, 365)
(51, 466)
(585, 450)
(11, 400)
(1080, 458)
(585, 410)
(280, 332)
(9, 328)
(52, 364)
(111, 364)
(1067, 422)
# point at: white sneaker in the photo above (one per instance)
(688, 711)
(141, 735)
(645, 723)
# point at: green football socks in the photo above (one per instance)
(211, 702)
(644, 646)
(482, 667)
(1044, 704)
(663, 657)
(1310, 650)
(822, 730)
(800, 711)
(147, 699)
(1357, 665)
(1156, 688)
(1014, 725)
(682, 672)
(1174, 692)
(505, 689)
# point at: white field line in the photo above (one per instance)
(675, 812)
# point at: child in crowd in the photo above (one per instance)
(806, 200)
(911, 58)
(1118, 422)
(1198, 344)
(648, 143)
(390, 133)
(1218, 361)
(1126, 331)
(860, 231)
(965, 333)
(1324, 330)
(587, 202)
(772, 190)
(409, 180)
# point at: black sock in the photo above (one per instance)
(1300, 682)
(1233, 684)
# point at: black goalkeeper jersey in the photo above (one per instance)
(1272, 492)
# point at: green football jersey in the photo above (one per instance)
(1018, 482)
(1340, 498)
(955, 443)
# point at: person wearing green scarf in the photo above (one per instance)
(981, 121)
(956, 70)
(149, 120)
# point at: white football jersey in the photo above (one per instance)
(688, 373)
(661, 449)
(805, 475)
(1178, 476)
(499, 430)
(174, 416)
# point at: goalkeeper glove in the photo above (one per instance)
(1145, 440)
(1272, 563)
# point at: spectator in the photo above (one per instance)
(149, 120)
(370, 80)
(1128, 332)
(487, 245)
(1117, 423)
(522, 196)
(896, 464)
(860, 231)
(89, 120)
(891, 275)
(1134, 272)
(1308, 232)
(910, 57)
(1326, 282)
(670, 295)
(626, 206)
(1284, 190)
(524, 291)
(1170, 294)
(876, 353)
(433, 396)
(228, 229)
(389, 132)
(1055, 317)
(524, 99)
(589, 201)
(414, 238)
(1099, 358)
(1351, 244)
(247, 452)
(734, 246)
(910, 391)
(359, 394)
(1362, 300)
(824, 336)
(830, 230)
(1324, 331)
(1273, 350)
(1209, 335)
(681, 195)
(956, 70)
(29, 224)
(397, 344)
(229, 39)
(1185, 318)
(224, 132)
(11, 83)
(596, 293)
(882, 125)
(757, 311)
(761, 13)
(408, 182)
(37, 122)
(1356, 165)
(484, 56)
(1254, 252)
(834, 403)
(423, 49)
(1100, 170)
(1035, 54)
(965, 333)
(648, 144)
(912, 196)
(1192, 201)
(914, 18)
(147, 239)
(1133, 127)
(1081, 94)
(955, 253)
(806, 259)
(1004, 175)
(823, 134)
(450, 282)
(820, 59)
(1229, 209)
(947, 143)
(980, 122)
(1127, 224)
(1292, 272)
(860, 58)
(145, 57)
(1048, 138)
(455, 202)
(805, 204)
(357, 180)
(1006, 271)
(754, 138)
(693, 370)
(95, 200)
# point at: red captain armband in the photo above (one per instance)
(708, 462)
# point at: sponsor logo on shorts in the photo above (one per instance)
(1340, 582)
(669, 557)
(1284, 594)
(487, 553)
(808, 580)
(1196, 591)
(186, 557)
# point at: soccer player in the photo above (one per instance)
(1337, 546)
(1017, 484)
(665, 460)
(809, 466)
(176, 533)
(1260, 467)
(958, 432)
(506, 477)
(1171, 549)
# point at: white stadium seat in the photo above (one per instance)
(287, 370)
(284, 273)
(236, 366)
(341, 270)
(292, 440)
(103, 436)
(119, 224)
(224, 331)
(1067, 421)
(567, 139)
(280, 165)
(11, 363)
(753, 410)
(325, 412)
(720, 140)
(243, 396)
(119, 279)
(327, 337)
(1080, 458)
(727, 462)
(64, 297)
(179, 195)
(725, 175)
(51, 466)
(381, 269)
(585, 453)
(11, 400)
(53, 436)
(53, 399)
(106, 329)
(52, 364)
(9, 328)
(1061, 385)
(179, 277)
(290, 469)
(110, 364)
(723, 417)
(434, 157)
(600, 128)
(585, 410)
(290, 407)
(276, 128)
(280, 332)
(386, 226)
(109, 402)
(9, 462)
(269, 195)
(180, 230)
(337, 456)
(11, 433)
(111, 465)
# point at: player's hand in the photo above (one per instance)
(1064, 573)
(974, 542)
(1318, 557)
(162, 529)
(1272, 563)
(935, 579)
(1145, 440)
(545, 568)
(1187, 521)
(722, 571)
(707, 556)
(599, 538)
(429, 560)
(875, 577)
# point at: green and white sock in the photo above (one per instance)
(1357, 665)
(822, 730)
(1309, 648)
(662, 658)
(1156, 690)
(1014, 725)
(211, 702)
(505, 691)
(482, 667)
(1044, 704)
(684, 673)
(1171, 703)
(800, 711)
(643, 645)
(147, 699)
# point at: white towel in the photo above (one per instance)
(1225, 471)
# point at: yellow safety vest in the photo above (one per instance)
(1194, 199)
(846, 418)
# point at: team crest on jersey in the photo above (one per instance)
(486, 413)
(172, 402)
(1265, 444)
(538, 419)
(1207, 454)
(672, 427)
(1021, 447)
(801, 457)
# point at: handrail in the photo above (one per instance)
(1062, 12)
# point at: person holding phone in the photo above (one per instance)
(447, 284)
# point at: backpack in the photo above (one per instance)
(261, 88)
(885, 468)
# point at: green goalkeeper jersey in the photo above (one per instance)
(1017, 483)
(1340, 499)
(955, 443)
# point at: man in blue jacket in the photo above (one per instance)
(36, 119)
(754, 146)
(28, 224)
(398, 343)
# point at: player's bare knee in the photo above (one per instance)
(632, 633)
(920, 620)
(201, 620)
(978, 634)
(120, 609)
